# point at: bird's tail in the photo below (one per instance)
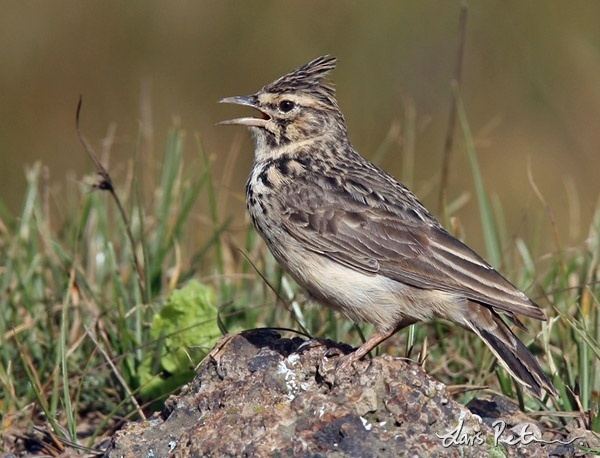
(510, 351)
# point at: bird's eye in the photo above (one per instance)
(286, 105)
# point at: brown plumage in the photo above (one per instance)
(356, 238)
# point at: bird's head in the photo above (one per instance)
(296, 107)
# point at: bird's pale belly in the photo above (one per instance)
(370, 298)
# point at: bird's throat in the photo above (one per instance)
(264, 152)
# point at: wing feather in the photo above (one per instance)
(387, 231)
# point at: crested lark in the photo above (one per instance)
(357, 239)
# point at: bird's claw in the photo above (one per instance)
(333, 351)
(346, 362)
(311, 343)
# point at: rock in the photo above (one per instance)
(258, 394)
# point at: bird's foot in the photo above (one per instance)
(331, 348)
(346, 362)
(314, 342)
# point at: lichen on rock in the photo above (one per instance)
(258, 394)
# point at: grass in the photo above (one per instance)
(82, 323)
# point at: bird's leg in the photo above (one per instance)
(372, 342)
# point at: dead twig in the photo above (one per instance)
(456, 82)
(116, 372)
(105, 183)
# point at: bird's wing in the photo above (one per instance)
(375, 233)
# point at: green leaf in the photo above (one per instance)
(185, 330)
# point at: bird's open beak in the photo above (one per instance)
(250, 101)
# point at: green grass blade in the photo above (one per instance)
(492, 242)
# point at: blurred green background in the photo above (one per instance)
(531, 88)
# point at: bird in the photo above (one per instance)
(358, 240)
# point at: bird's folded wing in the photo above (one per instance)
(396, 243)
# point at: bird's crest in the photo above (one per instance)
(310, 79)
